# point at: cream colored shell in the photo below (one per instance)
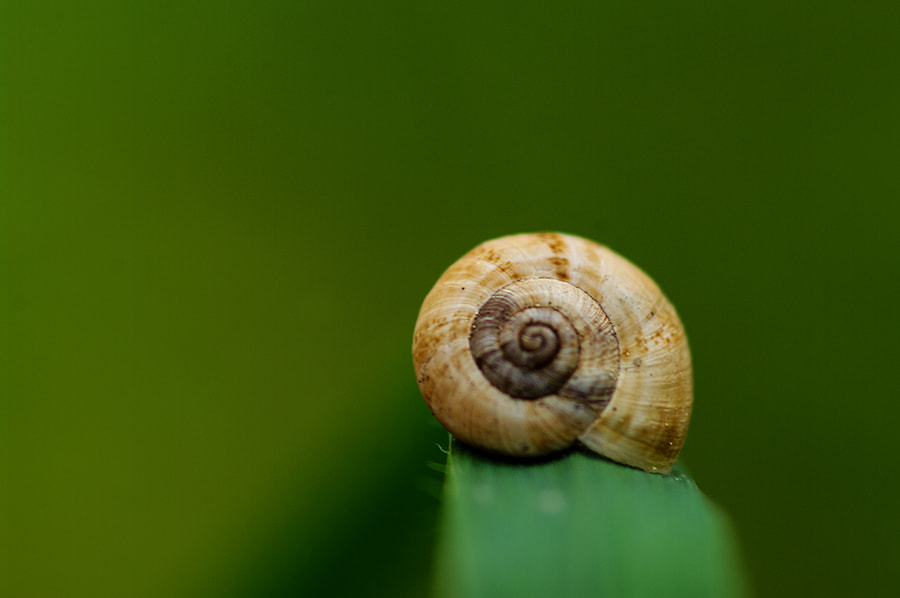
(628, 393)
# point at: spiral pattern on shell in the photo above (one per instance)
(532, 343)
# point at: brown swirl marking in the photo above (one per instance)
(489, 255)
(671, 439)
(561, 266)
(554, 241)
(508, 267)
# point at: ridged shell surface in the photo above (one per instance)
(532, 343)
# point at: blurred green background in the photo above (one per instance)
(218, 220)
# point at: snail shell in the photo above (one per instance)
(532, 343)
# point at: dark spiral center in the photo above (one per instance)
(527, 352)
(536, 345)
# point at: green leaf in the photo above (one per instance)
(579, 525)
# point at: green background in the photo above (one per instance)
(218, 221)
